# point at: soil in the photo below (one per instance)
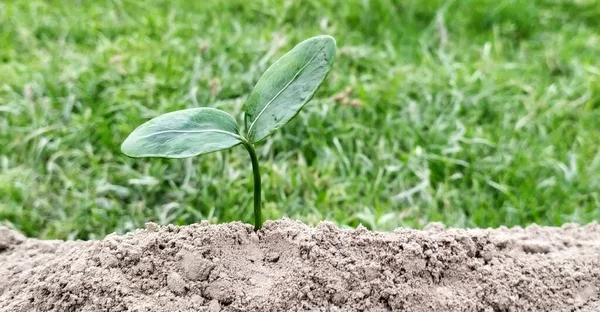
(288, 266)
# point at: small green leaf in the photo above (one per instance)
(287, 85)
(183, 133)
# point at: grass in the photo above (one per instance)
(472, 113)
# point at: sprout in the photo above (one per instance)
(278, 96)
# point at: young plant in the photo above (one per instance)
(278, 96)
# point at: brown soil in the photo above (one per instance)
(289, 266)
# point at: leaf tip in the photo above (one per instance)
(330, 39)
(329, 45)
(127, 147)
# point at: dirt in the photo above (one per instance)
(288, 266)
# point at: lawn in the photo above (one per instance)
(472, 113)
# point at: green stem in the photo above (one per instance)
(257, 190)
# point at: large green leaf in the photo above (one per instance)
(287, 85)
(183, 133)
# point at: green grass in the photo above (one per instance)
(472, 113)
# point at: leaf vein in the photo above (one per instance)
(191, 131)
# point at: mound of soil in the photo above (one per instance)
(288, 266)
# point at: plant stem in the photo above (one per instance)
(257, 190)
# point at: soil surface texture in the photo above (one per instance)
(289, 266)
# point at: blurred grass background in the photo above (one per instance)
(473, 113)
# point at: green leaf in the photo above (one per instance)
(183, 133)
(287, 85)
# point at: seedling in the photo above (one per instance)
(278, 96)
